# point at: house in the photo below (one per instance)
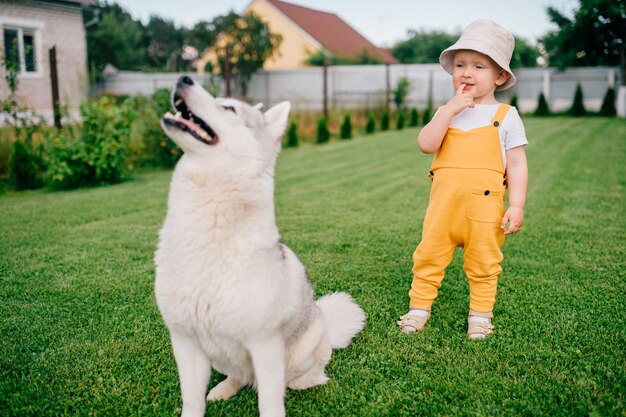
(28, 30)
(307, 31)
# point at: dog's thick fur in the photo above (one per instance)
(234, 298)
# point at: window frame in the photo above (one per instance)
(26, 28)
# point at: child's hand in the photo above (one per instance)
(514, 216)
(460, 100)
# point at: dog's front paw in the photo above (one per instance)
(224, 390)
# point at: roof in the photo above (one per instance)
(72, 2)
(331, 31)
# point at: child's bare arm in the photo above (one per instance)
(431, 136)
(517, 178)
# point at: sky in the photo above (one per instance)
(382, 22)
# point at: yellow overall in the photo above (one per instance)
(465, 209)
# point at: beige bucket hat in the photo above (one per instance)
(488, 38)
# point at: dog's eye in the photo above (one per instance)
(230, 108)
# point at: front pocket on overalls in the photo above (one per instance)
(485, 205)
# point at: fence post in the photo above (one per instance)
(54, 81)
(387, 87)
(431, 88)
(325, 92)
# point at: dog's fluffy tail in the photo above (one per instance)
(343, 316)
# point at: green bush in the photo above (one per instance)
(370, 126)
(608, 104)
(400, 120)
(428, 114)
(384, 121)
(542, 107)
(25, 166)
(323, 134)
(165, 152)
(401, 92)
(414, 118)
(346, 128)
(578, 107)
(292, 135)
(99, 155)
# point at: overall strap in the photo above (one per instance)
(500, 114)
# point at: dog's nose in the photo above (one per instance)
(184, 80)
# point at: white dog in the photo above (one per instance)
(233, 297)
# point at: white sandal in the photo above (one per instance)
(414, 321)
(477, 329)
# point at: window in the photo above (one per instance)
(20, 49)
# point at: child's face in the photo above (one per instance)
(480, 74)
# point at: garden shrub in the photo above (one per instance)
(414, 118)
(25, 166)
(370, 126)
(292, 135)
(578, 107)
(165, 152)
(346, 128)
(400, 120)
(428, 114)
(542, 106)
(608, 104)
(401, 92)
(384, 121)
(98, 155)
(323, 134)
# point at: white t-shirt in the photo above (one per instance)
(512, 133)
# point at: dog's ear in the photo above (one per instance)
(276, 118)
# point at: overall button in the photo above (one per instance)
(496, 123)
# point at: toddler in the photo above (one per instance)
(480, 150)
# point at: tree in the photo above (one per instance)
(202, 35)
(524, 54)
(242, 44)
(116, 39)
(595, 35)
(422, 47)
(425, 47)
(320, 58)
(165, 43)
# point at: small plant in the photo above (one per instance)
(99, 155)
(370, 126)
(578, 107)
(384, 121)
(542, 107)
(608, 104)
(25, 166)
(428, 114)
(400, 120)
(292, 135)
(323, 134)
(346, 128)
(166, 152)
(25, 163)
(401, 92)
(414, 118)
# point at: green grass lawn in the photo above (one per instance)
(81, 334)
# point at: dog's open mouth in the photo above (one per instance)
(188, 122)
